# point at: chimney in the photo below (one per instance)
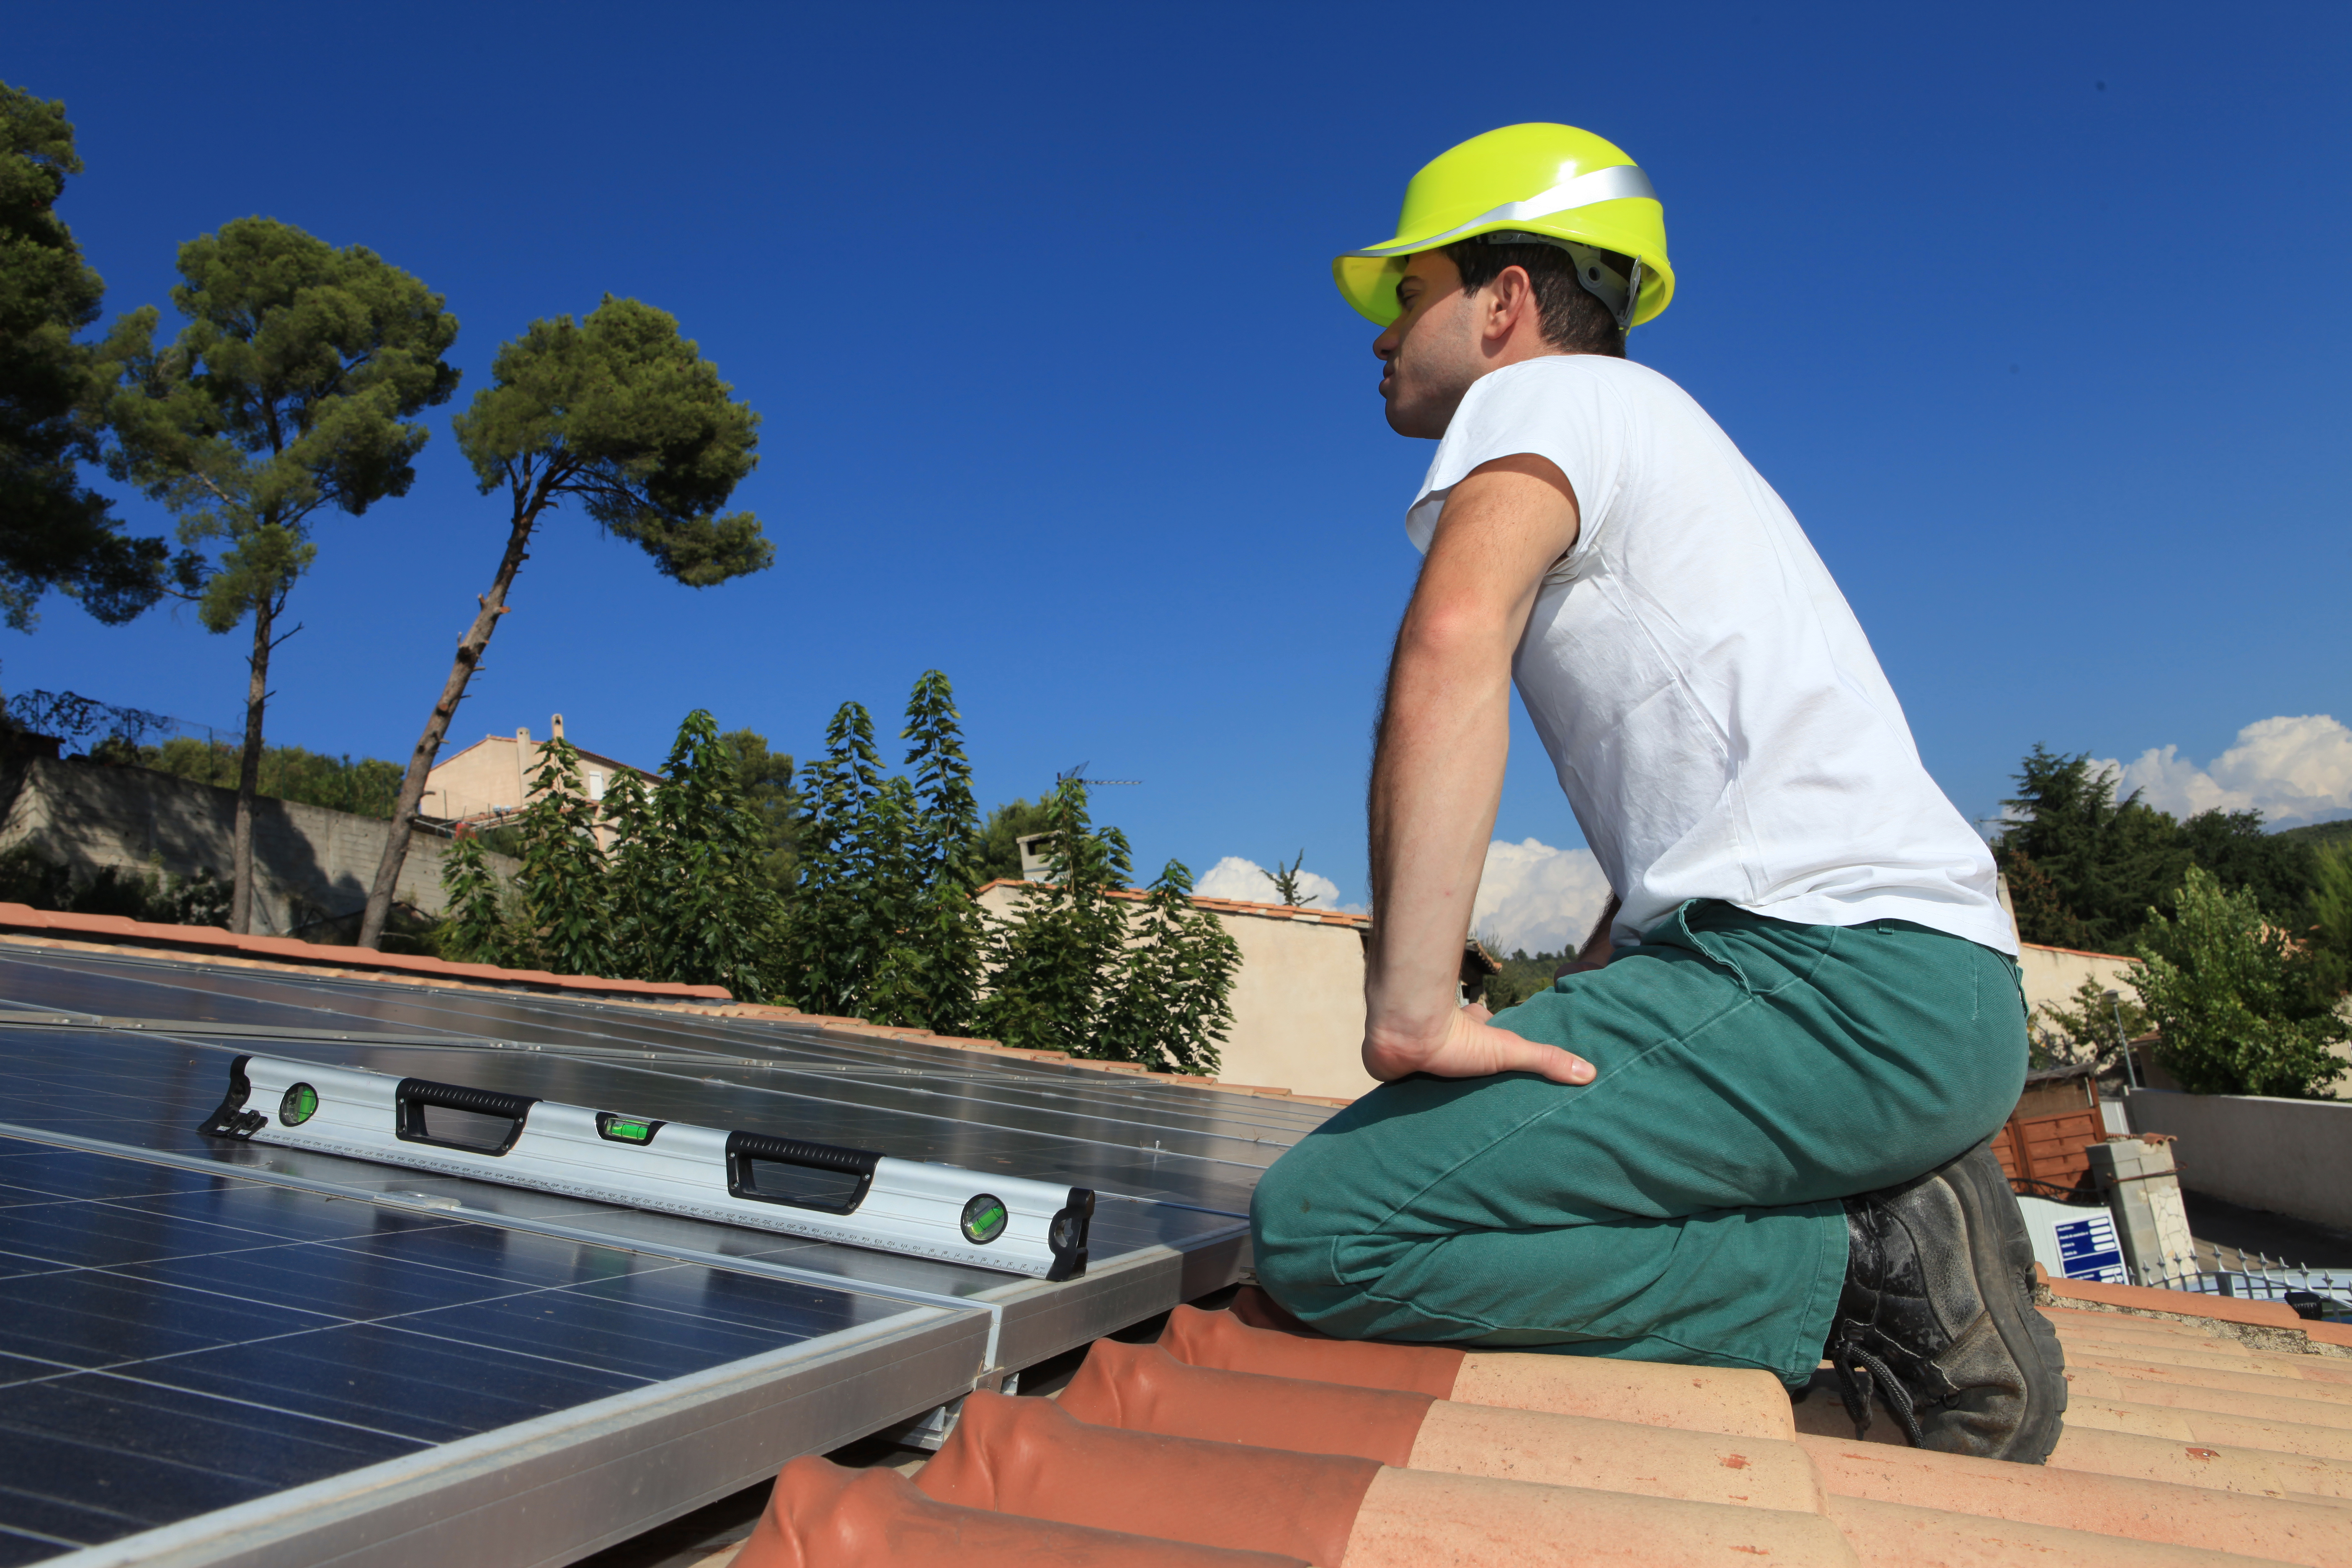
(555, 725)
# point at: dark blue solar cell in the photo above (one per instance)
(390, 1381)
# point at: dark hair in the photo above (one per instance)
(1572, 320)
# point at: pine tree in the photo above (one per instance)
(55, 531)
(622, 416)
(2084, 867)
(285, 397)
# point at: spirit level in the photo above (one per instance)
(851, 1195)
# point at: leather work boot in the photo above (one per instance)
(1938, 1317)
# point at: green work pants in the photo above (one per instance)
(1684, 1205)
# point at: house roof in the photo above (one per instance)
(1306, 914)
(2058, 1074)
(2201, 1431)
(2081, 951)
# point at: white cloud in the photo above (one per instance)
(1234, 878)
(2293, 770)
(1537, 898)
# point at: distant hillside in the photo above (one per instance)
(2321, 834)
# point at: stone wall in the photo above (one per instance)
(312, 866)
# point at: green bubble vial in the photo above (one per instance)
(984, 1218)
(301, 1103)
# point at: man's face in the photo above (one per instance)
(1431, 351)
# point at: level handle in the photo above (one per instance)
(840, 1180)
(415, 1096)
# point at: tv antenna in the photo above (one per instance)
(1077, 775)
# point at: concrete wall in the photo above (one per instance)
(1298, 1000)
(1298, 1007)
(2287, 1156)
(311, 864)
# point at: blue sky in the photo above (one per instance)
(1059, 398)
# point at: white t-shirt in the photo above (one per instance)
(1710, 703)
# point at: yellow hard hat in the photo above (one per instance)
(1551, 183)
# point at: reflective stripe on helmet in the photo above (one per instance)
(1616, 183)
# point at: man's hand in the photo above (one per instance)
(1473, 1047)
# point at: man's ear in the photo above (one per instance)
(1510, 296)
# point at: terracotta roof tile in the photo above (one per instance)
(2226, 1309)
(1240, 1431)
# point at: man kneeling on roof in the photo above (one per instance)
(1749, 1126)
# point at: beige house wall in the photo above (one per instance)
(1298, 1007)
(2052, 973)
(1297, 999)
(312, 866)
(487, 776)
(492, 776)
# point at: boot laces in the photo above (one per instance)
(1859, 1372)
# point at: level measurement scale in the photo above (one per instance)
(755, 1179)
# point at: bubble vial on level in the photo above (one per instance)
(984, 1218)
(628, 1131)
(301, 1103)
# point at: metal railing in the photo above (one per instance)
(2255, 1277)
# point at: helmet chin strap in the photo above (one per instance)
(1614, 288)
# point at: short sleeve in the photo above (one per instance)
(1560, 408)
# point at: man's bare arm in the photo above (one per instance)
(1437, 773)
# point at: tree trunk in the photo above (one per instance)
(248, 772)
(436, 727)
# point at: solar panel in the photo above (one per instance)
(209, 1346)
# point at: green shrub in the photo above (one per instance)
(2233, 995)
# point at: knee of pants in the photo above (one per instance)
(1290, 1236)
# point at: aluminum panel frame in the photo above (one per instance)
(548, 1492)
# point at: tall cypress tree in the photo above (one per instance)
(561, 882)
(834, 937)
(931, 975)
(1172, 1006)
(717, 921)
(1053, 967)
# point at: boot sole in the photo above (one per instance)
(2001, 1256)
